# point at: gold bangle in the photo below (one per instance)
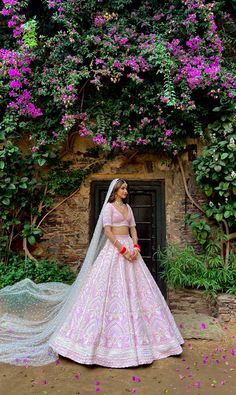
(115, 242)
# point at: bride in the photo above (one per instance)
(114, 314)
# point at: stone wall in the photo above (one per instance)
(66, 230)
(223, 306)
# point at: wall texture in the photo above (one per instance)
(66, 230)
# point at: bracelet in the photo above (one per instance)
(137, 246)
(115, 242)
(122, 251)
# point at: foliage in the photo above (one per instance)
(123, 73)
(126, 74)
(215, 171)
(182, 267)
(200, 228)
(43, 271)
(23, 200)
(63, 181)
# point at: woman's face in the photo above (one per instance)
(122, 191)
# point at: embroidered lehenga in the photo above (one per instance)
(113, 315)
(120, 318)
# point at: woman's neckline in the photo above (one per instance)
(121, 212)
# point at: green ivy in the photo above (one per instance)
(215, 171)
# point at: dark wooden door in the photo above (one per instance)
(147, 201)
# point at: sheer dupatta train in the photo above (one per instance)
(31, 314)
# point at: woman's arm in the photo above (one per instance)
(108, 233)
(117, 244)
(133, 233)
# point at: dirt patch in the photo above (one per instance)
(206, 367)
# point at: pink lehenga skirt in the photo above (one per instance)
(120, 318)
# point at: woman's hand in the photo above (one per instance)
(135, 253)
(128, 256)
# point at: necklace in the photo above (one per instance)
(119, 203)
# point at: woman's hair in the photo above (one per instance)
(118, 184)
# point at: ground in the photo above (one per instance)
(206, 367)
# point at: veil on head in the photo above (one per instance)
(31, 314)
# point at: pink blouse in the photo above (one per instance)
(113, 217)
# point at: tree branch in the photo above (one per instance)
(186, 186)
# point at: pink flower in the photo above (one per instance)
(99, 139)
(197, 384)
(34, 149)
(116, 123)
(164, 99)
(168, 132)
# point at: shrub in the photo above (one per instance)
(182, 267)
(43, 271)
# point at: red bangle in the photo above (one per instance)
(123, 250)
(137, 246)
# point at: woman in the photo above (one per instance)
(114, 314)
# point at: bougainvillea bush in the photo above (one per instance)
(123, 72)
(143, 74)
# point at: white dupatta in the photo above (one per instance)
(31, 314)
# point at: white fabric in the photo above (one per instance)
(31, 314)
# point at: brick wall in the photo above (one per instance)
(223, 306)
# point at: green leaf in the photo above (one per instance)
(227, 214)
(2, 165)
(217, 168)
(11, 186)
(41, 161)
(31, 239)
(208, 191)
(6, 201)
(219, 217)
(224, 155)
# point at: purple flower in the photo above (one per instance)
(141, 141)
(15, 84)
(14, 73)
(99, 61)
(123, 40)
(9, 3)
(99, 139)
(99, 21)
(6, 12)
(17, 32)
(157, 17)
